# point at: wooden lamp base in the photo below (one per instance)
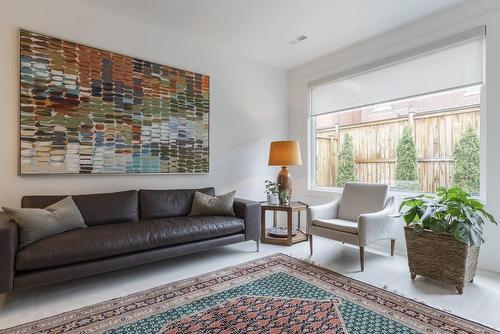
(285, 180)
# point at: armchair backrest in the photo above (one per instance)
(359, 198)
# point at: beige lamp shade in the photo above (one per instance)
(285, 153)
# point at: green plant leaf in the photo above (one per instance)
(439, 226)
(469, 234)
(441, 191)
(418, 229)
(410, 215)
(476, 204)
(489, 216)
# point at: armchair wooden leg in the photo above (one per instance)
(393, 245)
(310, 244)
(362, 258)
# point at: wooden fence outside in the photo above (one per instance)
(375, 146)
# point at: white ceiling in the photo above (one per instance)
(262, 29)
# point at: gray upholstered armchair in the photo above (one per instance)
(360, 216)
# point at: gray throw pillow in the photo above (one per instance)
(36, 224)
(206, 205)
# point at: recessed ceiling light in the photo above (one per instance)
(298, 39)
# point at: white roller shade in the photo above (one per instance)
(452, 66)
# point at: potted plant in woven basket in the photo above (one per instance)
(443, 235)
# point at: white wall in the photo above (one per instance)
(455, 20)
(248, 99)
(247, 111)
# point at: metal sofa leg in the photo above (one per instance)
(393, 245)
(258, 245)
(362, 258)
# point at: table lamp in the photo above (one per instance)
(285, 153)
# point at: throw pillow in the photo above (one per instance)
(36, 224)
(206, 205)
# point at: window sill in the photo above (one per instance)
(327, 192)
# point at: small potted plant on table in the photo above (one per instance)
(443, 235)
(285, 197)
(272, 192)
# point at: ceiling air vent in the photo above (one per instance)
(298, 39)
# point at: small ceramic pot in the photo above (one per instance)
(273, 199)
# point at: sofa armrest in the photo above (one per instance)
(326, 211)
(249, 211)
(9, 242)
(378, 225)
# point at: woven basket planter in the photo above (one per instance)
(441, 257)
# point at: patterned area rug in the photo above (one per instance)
(275, 294)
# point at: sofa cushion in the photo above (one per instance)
(337, 225)
(111, 240)
(35, 224)
(168, 203)
(359, 198)
(96, 209)
(206, 205)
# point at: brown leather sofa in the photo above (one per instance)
(124, 229)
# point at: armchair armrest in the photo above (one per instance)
(328, 210)
(249, 211)
(378, 225)
(9, 242)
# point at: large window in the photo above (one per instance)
(413, 122)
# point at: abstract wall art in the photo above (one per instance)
(90, 111)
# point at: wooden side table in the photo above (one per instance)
(289, 209)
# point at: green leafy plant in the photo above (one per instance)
(406, 162)
(346, 168)
(466, 162)
(272, 188)
(285, 197)
(451, 211)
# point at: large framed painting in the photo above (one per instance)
(91, 111)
